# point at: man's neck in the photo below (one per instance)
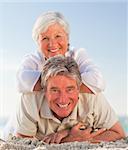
(60, 118)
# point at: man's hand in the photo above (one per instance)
(78, 133)
(55, 137)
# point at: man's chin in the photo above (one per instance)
(62, 115)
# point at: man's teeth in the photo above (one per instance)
(62, 106)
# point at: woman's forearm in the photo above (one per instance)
(37, 86)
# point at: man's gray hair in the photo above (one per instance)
(45, 20)
(60, 65)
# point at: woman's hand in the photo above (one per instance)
(85, 89)
(37, 86)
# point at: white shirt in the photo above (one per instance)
(31, 66)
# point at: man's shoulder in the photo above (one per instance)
(87, 99)
(92, 98)
(87, 96)
(33, 98)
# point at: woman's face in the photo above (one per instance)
(53, 41)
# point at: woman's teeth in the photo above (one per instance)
(53, 50)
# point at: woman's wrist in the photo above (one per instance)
(37, 86)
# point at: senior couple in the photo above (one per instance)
(62, 98)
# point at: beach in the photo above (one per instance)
(33, 144)
(13, 143)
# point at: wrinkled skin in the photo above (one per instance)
(75, 134)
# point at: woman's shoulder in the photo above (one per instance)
(34, 56)
(78, 54)
(78, 51)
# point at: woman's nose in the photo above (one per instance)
(52, 43)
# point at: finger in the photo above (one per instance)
(88, 130)
(82, 127)
(58, 138)
(78, 126)
(48, 140)
(53, 139)
(98, 132)
(86, 133)
(44, 138)
(61, 136)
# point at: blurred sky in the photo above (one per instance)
(100, 27)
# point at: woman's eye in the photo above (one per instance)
(70, 90)
(45, 38)
(58, 36)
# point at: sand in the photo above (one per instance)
(14, 143)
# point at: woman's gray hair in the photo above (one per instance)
(60, 65)
(45, 20)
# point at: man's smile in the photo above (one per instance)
(63, 105)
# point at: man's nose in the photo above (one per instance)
(63, 98)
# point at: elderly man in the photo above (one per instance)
(59, 113)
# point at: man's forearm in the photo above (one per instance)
(108, 136)
(23, 136)
(71, 139)
(105, 136)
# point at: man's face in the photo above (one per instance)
(62, 95)
(53, 41)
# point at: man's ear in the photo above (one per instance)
(45, 90)
(78, 87)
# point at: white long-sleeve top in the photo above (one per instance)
(31, 67)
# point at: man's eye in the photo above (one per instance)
(70, 90)
(54, 91)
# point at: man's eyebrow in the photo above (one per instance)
(72, 86)
(54, 87)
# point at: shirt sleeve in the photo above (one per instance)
(28, 73)
(27, 115)
(104, 115)
(90, 73)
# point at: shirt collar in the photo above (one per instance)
(79, 110)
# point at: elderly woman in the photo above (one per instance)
(51, 34)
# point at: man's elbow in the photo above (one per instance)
(122, 135)
(117, 128)
(23, 136)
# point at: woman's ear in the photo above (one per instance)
(68, 47)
